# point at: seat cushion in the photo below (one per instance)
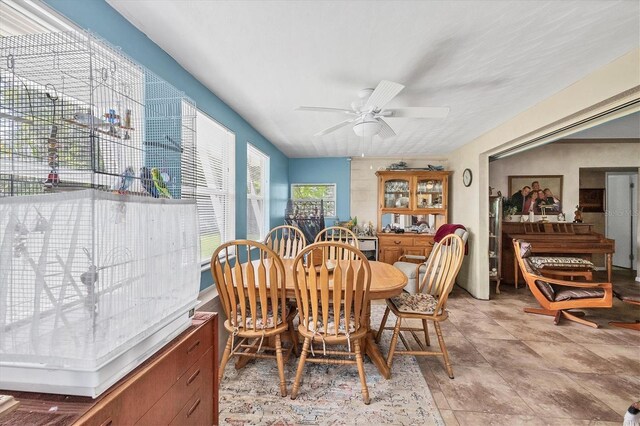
(546, 289)
(525, 250)
(552, 262)
(331, 324)
(420, 303)
(574, 293)
(261, 322)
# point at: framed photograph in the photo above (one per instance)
(592, 200)
(551, 182)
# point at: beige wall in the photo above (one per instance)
(567, 159)
(611, 86)
(364, 182)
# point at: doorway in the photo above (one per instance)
(621, 216)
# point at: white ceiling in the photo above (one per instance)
(486, 60)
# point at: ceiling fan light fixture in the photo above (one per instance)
(367, 128)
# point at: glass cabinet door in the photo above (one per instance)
(429, 194)
(396, 194)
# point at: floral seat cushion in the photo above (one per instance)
(331, 324)
(261, 322)
(420, 303)
(552, 262)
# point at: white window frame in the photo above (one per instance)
(253, 198)
(334, 199)
(206, 149)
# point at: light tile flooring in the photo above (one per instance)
(515, 368)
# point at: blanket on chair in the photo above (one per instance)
(450, 228)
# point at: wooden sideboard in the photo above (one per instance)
(568, 239)
(176, 386)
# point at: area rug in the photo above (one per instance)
(329, 394)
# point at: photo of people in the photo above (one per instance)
(536, 193)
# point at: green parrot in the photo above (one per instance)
(159, 183)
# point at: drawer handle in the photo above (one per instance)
(193, 377)
(193, 408)
(397, 242)
(107, 422)
(192, 347)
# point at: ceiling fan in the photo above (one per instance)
(368, 111)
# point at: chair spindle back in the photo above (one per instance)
(251, 284)
(286, 240)
(324, 284)
(443, 266)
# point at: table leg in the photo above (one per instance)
(372, 350)
(609, 266)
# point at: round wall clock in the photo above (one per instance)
(467, 177)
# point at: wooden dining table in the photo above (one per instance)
(386, 281)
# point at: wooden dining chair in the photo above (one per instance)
(286, 240)
(332, 297)
(338, 234)
(250, 279)
(427, 303)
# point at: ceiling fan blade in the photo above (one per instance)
(325, 109)
(336, 127)
(416, 112)
(385, 130)
(385, 91)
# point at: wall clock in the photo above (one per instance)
(467, 177)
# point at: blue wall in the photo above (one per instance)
(326, 170)
(100, 18)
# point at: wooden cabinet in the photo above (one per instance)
(177, 385)
(414, 201)
(495, 240)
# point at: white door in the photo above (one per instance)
(621, 216)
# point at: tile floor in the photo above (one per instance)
(515, 368)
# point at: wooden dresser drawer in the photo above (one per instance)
(396, 240)
(423, 241)
(174, 400)
(193, 347)
(198, 410)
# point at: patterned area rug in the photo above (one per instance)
(329, 394)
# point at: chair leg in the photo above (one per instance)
(443, 348)
(572, 317)
(426, 332)
(363, 378)
(394, 341)
(280, 360)
(630, 325)
(382, 324)
(303, 359)
(541, 311)
(225, 358)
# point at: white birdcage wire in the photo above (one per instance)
(99, 243)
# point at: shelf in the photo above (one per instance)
(97, 129)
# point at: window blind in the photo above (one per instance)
(257, 193)
(214, 174)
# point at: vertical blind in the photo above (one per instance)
(215, 177)
(257, 193)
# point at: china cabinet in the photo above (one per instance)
(495, 240)
(411, 207)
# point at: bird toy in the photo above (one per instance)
(126, 179)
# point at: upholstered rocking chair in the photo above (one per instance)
(556, 297)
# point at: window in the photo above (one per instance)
(301, 192)
(257, 194)
(215, 177)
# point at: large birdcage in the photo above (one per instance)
(99, 246)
